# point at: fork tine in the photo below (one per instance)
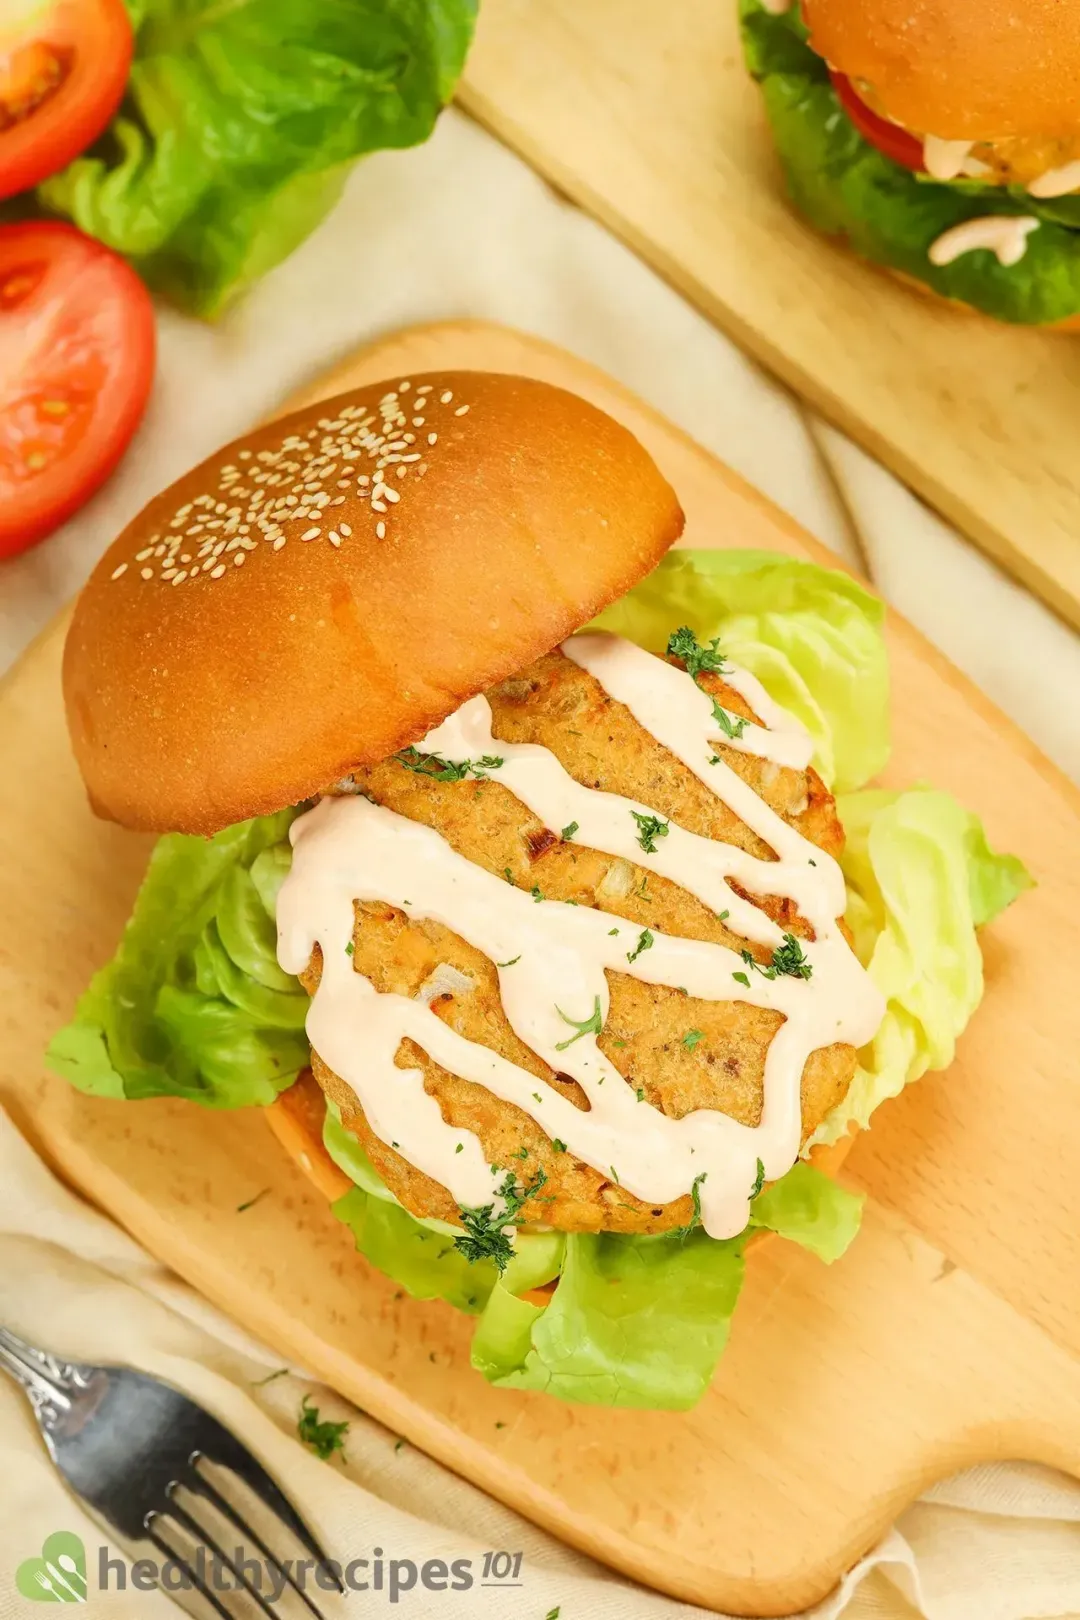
(201, 1486)
(229, 1453)
(192, 1525)
(193, 1575)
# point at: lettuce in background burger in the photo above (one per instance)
(520, 872)
(940, 138)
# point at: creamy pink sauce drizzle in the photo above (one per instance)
(1005, 235)
(348, 849)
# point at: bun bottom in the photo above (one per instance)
(297, 1116)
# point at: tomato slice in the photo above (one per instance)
(896, 143)
(76, 364)
(63, 68)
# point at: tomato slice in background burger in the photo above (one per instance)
(894, 142)
(77, 349)
(63, 68)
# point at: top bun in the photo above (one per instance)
(962, 69)
(404, 546)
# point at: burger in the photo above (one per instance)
(515, 869)
(940, 138)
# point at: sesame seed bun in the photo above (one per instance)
(326, 589)
(960, 69)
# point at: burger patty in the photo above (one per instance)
(557, 704)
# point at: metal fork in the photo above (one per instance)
(127, 1443)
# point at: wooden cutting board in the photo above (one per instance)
(950, 1333)
(645, 115)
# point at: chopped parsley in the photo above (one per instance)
(240, 1208)
(522, 1153)
(639, 1093)
(741, 979)
(695, 1198)
(788, 961)
(759, 1180)
(588, 1026)
(614, 1174)
(723, 916)
(645, 939)
(511, 962)
(350, 947)
(650, 828)
(705, 660)
(399, 1445)
(537, 893)
(699, 660)
(261, 1383)
(558, 1144)
(447, 770)
(553, 1614)
(324, 1438)
(508, 875)
(568, 831)
(460, 1148)
(485, 1237)
(691, 1038)
(612, 931)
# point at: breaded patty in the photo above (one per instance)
(559, 705)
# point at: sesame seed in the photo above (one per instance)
(147, 573)
(311, 534)
(444, 399)
(462, 410)
(216, 573)
(141, 556)
(378, 506)
(238, 559)
(380, 530)
(279, 542)
(393, 495)
(178, 579)
(433, 438)
(334, 538)
(418, 421)
(345, 529)
(118, 571)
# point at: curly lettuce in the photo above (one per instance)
(241, 123)
(889, 214)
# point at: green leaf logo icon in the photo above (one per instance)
(59, 1575)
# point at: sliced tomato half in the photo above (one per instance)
(76, 364)
(63, 68)
(894, 142)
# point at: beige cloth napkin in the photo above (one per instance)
(461, 228)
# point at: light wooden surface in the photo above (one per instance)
(950, 1333)
(645, 115)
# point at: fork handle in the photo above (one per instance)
(49, 1382)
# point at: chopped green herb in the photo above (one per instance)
(614, 1173)
(500, 1425)
(536, 892)
(446, 770)
(240, 1208)
(485, 1235)
(511, 962)
(618, 1043)
(759, 1180)
(723, 916)
(460, 1148)
(691, 1038)
(612, 931)
(522, 1153)
(732, 725)
(644, 889)
(553, 1614)
(568, 832)
(698, 660)
(538, 1097)
(645, 939)
(639, 1093)
(261, 1383)
(399, 1445)
(788, 961)
(558, 1144)
(508, 875)
(323, 1438)
(350, 947)
(695, 1198)
(742, 979)
(650, 828)
(813, 863)
(714, 759)
(588, 1026)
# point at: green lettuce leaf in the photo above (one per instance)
(193, 1004)
(811, 635)
(846, 187)
(241, 123)
(635, 1321)
(921, 879)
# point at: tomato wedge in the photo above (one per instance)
(63, 68)
(76, 365)
(894, 142)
